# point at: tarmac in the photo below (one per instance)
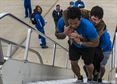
(14, 31)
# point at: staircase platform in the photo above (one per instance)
(67, 81)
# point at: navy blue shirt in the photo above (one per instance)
(40, 23)
(86, 29)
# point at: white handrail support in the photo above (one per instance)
(9, 50)
(27, 44)
(54, 52)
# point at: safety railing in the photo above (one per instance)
(30, 28)
(113, 70)
(9, 49)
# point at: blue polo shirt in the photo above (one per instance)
(86, 29)
(60, 25)
(105, 42)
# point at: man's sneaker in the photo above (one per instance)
(100, 80)
(89, 81)
(95, 77)
(92, 82)
(80, 78)
(1, 63)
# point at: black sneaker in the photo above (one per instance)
(80, 78)
(89, 81)
(95, 77)
(100, 80)
(1, 63)
(44, 47)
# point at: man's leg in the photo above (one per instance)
(102, 71)
(76, 70)
(90, 69)
(74, 56)
(26, 12)
(30, 11)
(88, 57)
(103, 63)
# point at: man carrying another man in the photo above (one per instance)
(78, 29)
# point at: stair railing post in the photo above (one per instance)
(54, 54)
(27, 43)
(1, 53)
(9, 50)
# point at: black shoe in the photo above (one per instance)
(80, 78)
(1, 63)
(95, 78)
(44, 47)
(89, 81)
(100, 80)
(26, 16)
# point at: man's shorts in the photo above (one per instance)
(105, 59)
(87, 54)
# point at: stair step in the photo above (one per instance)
(66, 81)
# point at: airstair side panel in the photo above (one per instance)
(19, 72)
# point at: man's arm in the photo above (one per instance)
(60, 29)
(60, 35)
(92, 43)
(88, 43)
(65, 17)
(67, 32)
(100, 27)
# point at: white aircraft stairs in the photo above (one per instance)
(15, 71)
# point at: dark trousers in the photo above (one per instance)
(28, 11)
(42, 39)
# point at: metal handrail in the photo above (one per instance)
(114, 39)
(2, 15)
(113, 56)
(10, 42)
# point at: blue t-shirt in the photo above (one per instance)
(60, 25)
(86, 29)
(105, 42)
(77, 4)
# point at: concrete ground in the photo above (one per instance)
(14, 31)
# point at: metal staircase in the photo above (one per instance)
(16, 71)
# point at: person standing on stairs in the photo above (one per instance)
(57, 14)
(40, 23)
(28, 8)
